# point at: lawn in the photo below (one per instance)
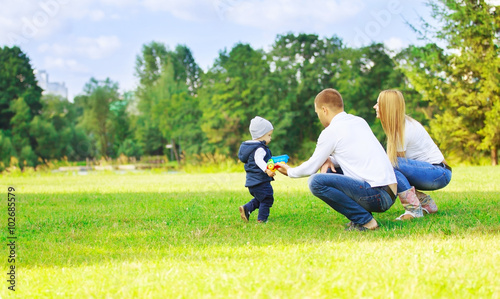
(177, 235)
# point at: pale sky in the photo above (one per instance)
(74, 40)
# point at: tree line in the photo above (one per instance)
(454, 91)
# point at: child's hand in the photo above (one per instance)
(270, 173)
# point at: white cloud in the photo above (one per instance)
(278, 14)
(82, 9)
(65, 64)
(283, 14)
(29, 19)
(395, 44)
(191, 10)
(87, 47)
(97, 48)
(116, 16)
(96, 15)
(25, 20)
(55, 49)
(120, 3)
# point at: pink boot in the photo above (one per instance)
(411, 204)
(428, 205)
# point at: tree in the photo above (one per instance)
(177, 112)
(301, 66)
(55, 131)
(20, 124)
(462, 83)
(149, 65)
(48, 139)
(17, 81)
(233, 92)
(21, 138)
(148, 68)
(168, 109)
(6, 151)
(186, 69)
(118, 123)
(99, 97)
(361, 74)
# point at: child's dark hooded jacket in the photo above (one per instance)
(246, 154)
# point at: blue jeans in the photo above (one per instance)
(352, 198)
(263, 200)
(421, 175)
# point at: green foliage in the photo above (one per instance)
(6, 151)
(20, 124)
(198, 113)
(130, 148)
(186, 69)
(301, 68)
(27, 157)
(17, 81)
(61, 116)
(232, 94)
(35, 128)
(149, 65)
(461, 84)
(97, 118)
(47, 138)
(361, 74)
(118, 124)
(168, 109)
(281, 86)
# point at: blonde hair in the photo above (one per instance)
(391, 107)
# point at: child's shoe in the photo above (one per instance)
(261, 221)
(245, 215)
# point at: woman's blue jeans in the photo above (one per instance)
(350, 197)
(421, 175)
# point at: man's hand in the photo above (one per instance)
(284, 169)
(270, 173)
(328, 164)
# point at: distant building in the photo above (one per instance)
(54, 88)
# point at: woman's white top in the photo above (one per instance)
(419, 145)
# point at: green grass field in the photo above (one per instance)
(176, 235)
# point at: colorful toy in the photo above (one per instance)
(276, 162)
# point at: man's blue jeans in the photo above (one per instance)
(421, 175)
(352, 198)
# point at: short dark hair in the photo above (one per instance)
(331, 98)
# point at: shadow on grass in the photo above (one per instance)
(87, 228)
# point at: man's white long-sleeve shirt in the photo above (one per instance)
(350, 142)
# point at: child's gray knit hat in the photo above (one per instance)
(259, 127)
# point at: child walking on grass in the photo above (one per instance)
(255, 154)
